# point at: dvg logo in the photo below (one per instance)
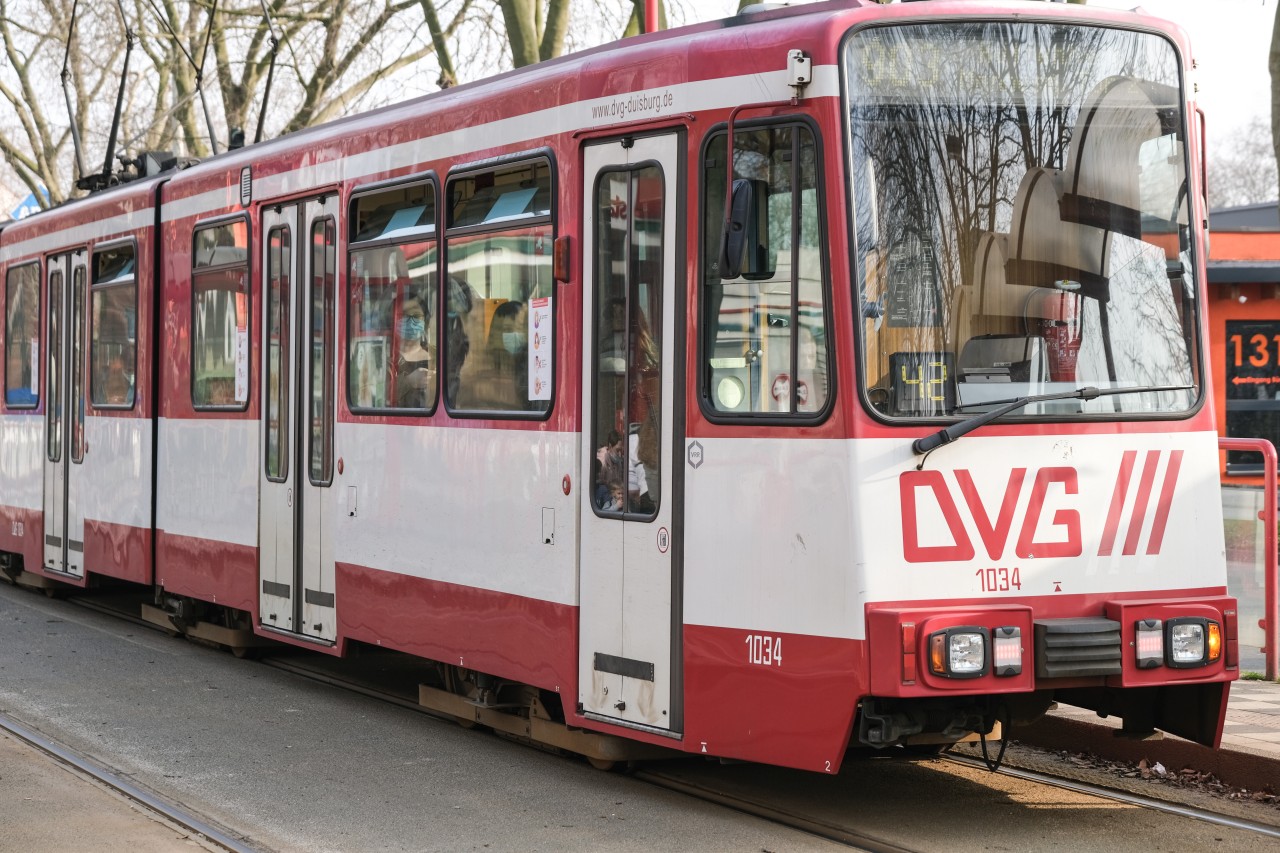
(1060, 533)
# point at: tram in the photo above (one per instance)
(820, 377)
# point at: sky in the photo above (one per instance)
(1229, 38)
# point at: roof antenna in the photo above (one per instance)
(66, 91)
(271, 71)
(208, 33)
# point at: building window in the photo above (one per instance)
(220, 317)
(1253, 388)
(498, 292)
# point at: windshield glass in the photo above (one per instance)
(1020, 206)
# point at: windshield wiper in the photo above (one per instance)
(946, 435)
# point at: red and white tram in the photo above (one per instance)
(908, 435)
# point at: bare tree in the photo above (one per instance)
(1273, 65)
(202, 69)
(1244, 170)
(34, 132)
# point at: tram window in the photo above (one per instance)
(53, 427)
(76, 367)
(22, 337)
(1253, 389)
(220, 317)
(392, 335)
(626, 418)
(766, 351)
(323, 284)
(498, 300)
(279, 274)
(1058, 257)
(113, 328)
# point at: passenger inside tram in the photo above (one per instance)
(414, 373)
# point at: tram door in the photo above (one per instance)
(629, 647)
(295, 548)
(64, 414)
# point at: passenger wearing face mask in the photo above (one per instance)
(509, 355)
(415, 378)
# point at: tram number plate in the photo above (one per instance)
(999, 580)
(764, 650)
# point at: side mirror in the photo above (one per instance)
(745, 249)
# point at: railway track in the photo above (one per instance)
(1127, 798)
(759, 801)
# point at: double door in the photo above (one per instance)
(298, 341)
(66, 283)
(629, 582)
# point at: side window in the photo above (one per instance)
(279, 370)
(113, 303)
(53, 376)
(76, 367)
(764, 342)
(627, 416)
(22, 337)
(220, 316)
(323, 284)
(1252, 388)
(498, 290)
(393, 304)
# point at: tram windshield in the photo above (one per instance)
(1020, 197)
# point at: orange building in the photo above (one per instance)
(1244, 330)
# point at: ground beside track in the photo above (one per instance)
(297, 765)
(47, 806)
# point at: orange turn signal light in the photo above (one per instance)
(938, 653)
(1215, 641)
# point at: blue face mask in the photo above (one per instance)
(513, 341)
(412, 328)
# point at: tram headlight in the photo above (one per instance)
(959, 652)
(1187, 642)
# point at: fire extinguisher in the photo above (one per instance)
(1060, 327)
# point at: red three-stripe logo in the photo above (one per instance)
(1141, 503)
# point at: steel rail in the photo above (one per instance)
(148, 800)
(1124, 797)
(822, 829)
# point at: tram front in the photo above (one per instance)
(1029, 275)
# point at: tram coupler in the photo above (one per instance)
(883, 723)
